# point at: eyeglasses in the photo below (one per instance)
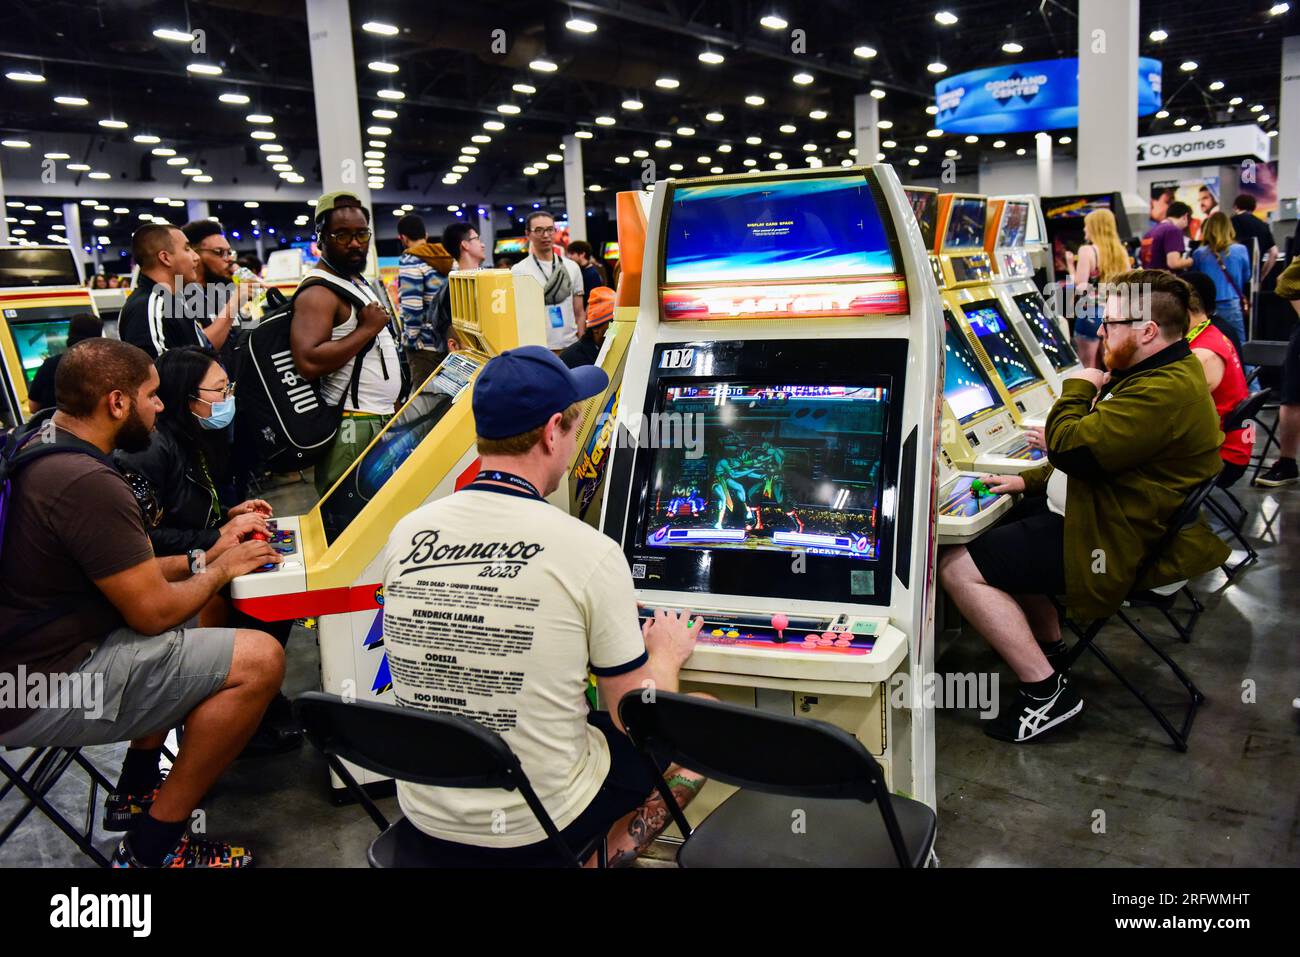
(1122, 322)
(227, 392)
(226, 253)
(543, 230)
(346, 237)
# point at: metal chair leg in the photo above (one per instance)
(1195, 695)
(1251, 555)
(53, 763)
(1179, 741)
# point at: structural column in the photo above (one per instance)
(338, 119)
(72, 231)
(866, 134)
(1043, 153)
(487, 231)
(4, 211)
(1288, 137)
(1108, 98)
(575, 197)
(197, 209)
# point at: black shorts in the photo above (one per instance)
(1291, 370)
(1025, 553)
(627, 785)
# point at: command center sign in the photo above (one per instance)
(1226, 142)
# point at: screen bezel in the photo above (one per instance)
(769, 574)
(969, 307)
(873, 190)
(1002, 224)
(932, 206)
(948, 222)
(11, 259)
(950, 324)
(1041, 305)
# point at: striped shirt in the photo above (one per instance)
(418, 284)
(155, 319)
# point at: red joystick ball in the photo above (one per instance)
(780, 623)
(258, 537)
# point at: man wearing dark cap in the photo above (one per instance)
(600, 310)
(497, 605)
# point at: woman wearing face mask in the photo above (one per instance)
(176, 480)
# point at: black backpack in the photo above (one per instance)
(282, 413)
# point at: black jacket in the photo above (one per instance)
(171, 468)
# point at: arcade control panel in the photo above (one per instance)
(968, 507)
(289, 576)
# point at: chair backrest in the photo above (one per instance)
(1245, 411)
(1186, 514)
(752, 749)
(422, 747)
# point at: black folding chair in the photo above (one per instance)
(1162, 599)
(39, 772)
(420, 747)
(804, 783)
(1264, 353)
(1247, 410)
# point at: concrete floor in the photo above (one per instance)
(1110, 791)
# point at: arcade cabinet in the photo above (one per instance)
(108, 304)
(925, 208)
(774, 469)
(1010, 219)
(40, 291)
(513, 248)
(980, 316)
(1063, 217)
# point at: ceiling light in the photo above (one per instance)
(685, 131)
(178, 160)
(1216, 85)
(844, 134)
(71, 100)
(724, 148)
(711, 58)
(460, 168)
(950, 153)
(668, 83)
(78, 167)
(507, 108)
(1021, 151)
(379, 66)
(1187, 66)
(99, 174)
(579, 25)
(889, 144)
(16, 144)
(524, 88)
(714, 117)
(749, 162)
(391, 95)
(1257, 107)
(1065, 140)
(1158, 36)
(112, 124)
(945, 18)
(276, 158)
(543, 66)
(383, 29)
(803, 79)
(633, 104)
(877, 93)
(1180, 122)
(530, 171)
(57, 156)
(810, 147)
(753, 140)
(1262, 118)
(605, 121)
(774, 155)
(281, 168)
(817, 115)
(715, 170)
(584, 134)
(382, 114)
(781, 166)
(704, 160)
(1011, 46)
(998, 144)
(594, 187)
(262, 135)
(471, 150)
(663, 144)
(1278, 9)
(379, 131)
(880, 124)
(787, 128)
(937, 67)
(146, 138)
(931, 109)
(494, 125)
(864, 52)
(621, 160)
(271, 148)
(203, 179)
(1162, 114)
(755, 100)
(22, 76)
(204, 69)
(1235, 101)
(557, 158)
(480, 138)
(934, 134)
(239, 99)
(774, 21)
(921, 148)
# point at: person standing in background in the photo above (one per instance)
(1165, 244)
(1100, 260)
(560, 279)
(592, 274)
(421, 271)
(1226, 262)
(1251, 230)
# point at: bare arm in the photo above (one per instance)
(1212, 365)
(1176, 260)
(314, 353)
(150, 602)
(1084, 265)
(670, 639)
(580, 314)
(1270, 260)
(218, 331)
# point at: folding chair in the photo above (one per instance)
(1162, 598)
(36, 777)
(804, 783)
(1261, 353)
(420, 747)
(1247, 410)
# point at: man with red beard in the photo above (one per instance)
(1125, 448)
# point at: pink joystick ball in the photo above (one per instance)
(780, 622)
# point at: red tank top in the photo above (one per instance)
(1232, 389)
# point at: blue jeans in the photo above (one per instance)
(1229, 310)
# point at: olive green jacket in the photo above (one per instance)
(1132, 458)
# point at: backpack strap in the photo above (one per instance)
(350, 294)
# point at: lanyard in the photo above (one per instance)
(554, 266)
(1200, 327)
(491, 482)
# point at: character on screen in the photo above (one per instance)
(685, 497)
(729, 488)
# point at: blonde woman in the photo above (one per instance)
(1226, 262)
(1100, 259)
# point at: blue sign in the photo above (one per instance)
(1026, 97)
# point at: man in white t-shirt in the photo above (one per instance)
(497, 605)
(560, 279)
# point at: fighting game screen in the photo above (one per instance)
(966, 386)
(38, 266)
(36, 342)
(994, 332)
(1046, 331)
(791, 229)
(778, 468)
(925, 207)
(1015, 220)
(965, 229)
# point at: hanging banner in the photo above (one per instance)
(1026, 97)
(1222, 142)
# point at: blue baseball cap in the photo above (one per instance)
(521, 388)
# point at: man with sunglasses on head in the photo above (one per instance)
(1125, 448)
(329, 335)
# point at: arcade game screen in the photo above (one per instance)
(1015, 219)
(510, 246)
(1065, 214)
(966, 386)
(804, 228)
(925, 207)
(1046, 331)
(36, 342)
(395, 444)
(610, 251)
(777, 468)
(1012, 362)
(37, 266)
(965, 228)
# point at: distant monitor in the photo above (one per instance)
(28, 266)
(1058, 348)
(37, 341)
(1010, 360)
(1015, 222)
(610, 251)
(800, 228)
(925, 207)
(965, 229)
(510, 246)
(1064, 220)
(785, 468)
(966, 385)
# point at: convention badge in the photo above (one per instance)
(556, 315)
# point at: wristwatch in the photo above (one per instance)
(198, 561)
